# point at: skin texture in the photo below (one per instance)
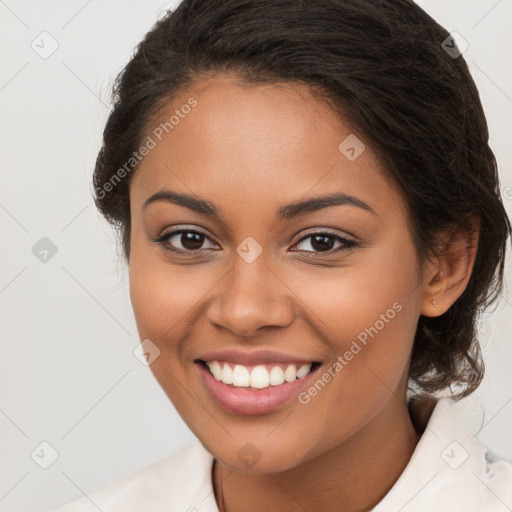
(250, 150)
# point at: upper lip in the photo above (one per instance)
(253, 357)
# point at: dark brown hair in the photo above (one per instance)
(385, 66)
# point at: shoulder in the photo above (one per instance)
(451, 470)
(181, 481)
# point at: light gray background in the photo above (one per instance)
(68, 374)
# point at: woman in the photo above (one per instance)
(311, 215)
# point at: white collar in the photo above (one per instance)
(450, 471)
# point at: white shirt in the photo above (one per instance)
(449, 471)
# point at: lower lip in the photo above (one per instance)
(252, 402)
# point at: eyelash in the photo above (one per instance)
(347, 244)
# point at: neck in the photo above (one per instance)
(352, 477)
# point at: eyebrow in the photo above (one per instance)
(285, 212)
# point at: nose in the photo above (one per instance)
(251, 296)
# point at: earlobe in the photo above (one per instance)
(451, 271)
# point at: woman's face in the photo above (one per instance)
(260, 284)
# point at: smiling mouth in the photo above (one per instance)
(260, 376)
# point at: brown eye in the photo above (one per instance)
(325, 242)
(184, 240)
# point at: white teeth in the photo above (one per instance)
(227, 374)
(241, 377)
(303, 370)
(259, 377)
(276, 376)
(215, 369)
(290, 374)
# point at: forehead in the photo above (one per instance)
(258, 145)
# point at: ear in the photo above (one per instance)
(448, 274)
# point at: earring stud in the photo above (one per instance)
(434, 303)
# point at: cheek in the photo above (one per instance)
(367, 313)
(352, 297)
(165, 297)
(164, 300)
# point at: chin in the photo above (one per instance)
(243, 455)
